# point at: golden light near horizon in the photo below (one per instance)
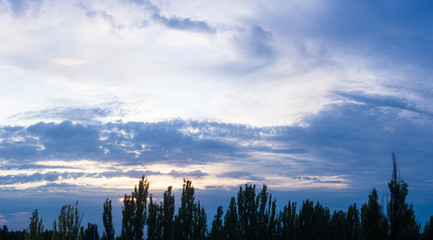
(111, 175)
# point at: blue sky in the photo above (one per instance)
(309, 97)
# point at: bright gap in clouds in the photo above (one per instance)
(114, 176)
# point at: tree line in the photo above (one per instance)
(251, 215)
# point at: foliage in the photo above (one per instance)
(35, 230)
(134, 211)
(217, 231)
(401, 216)
(374, 224)
(107, 219)
(91, 232)
(68, 224)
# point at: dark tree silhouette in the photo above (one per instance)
(107, 219)
(168, 214)
(91, 232)
(128, 210)
(68, 224)
(338, 225)
(35, 230)
(199, 226)
(134, 211)
(247, 211)
(217, 231)
(428, 230)
(373, 222)
(154, 220)
(314, 221)
(286, 222)
(353, 223)
(231, 222)
(401, 216)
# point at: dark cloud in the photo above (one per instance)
(175, 22)
(38, 177)
(240, 175)
(317, 180)
(131, 173)
(183, 23)
(195, 174)
(66, 140)
(18, 6)
(392, 33)
(255, 43)
(348, 138)
(73, 113)
(382, 101)
(132, 142)
(90, 12)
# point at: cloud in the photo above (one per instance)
(175, 22)
(38, 177)
(383, 101)
(240, 175)
(345, 138)
(256, 43)
(81, 114)
(19, 7)
(184, 24)
(194, 174)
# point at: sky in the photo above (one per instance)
(310, 97)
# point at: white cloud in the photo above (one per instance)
(68, 61)
(261, 66)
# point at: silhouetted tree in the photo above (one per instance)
(286, 222)
(306, 214)
(168, 214)
(428, 230)
(231, 222)
(353, 223)
(67, 226)
(47, 235)
(128, 210)
(314, 221)
(134, 211)
(184, 219)
(91, 232)
(4, 233)
(401, 216)
(247, 211)
(154, 220)
(374, 225)
(199, 226)
(339, 226)
(217, 231)
(107, 219)
(266, 213)
(35, 230)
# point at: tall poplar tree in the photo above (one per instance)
(374, 225)
(35, 230)
(67, 226)
(134, 211)
(107, 218)
(401, 216)
(217, 231)
(168, 214)
(231, 222)
(353, 223)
